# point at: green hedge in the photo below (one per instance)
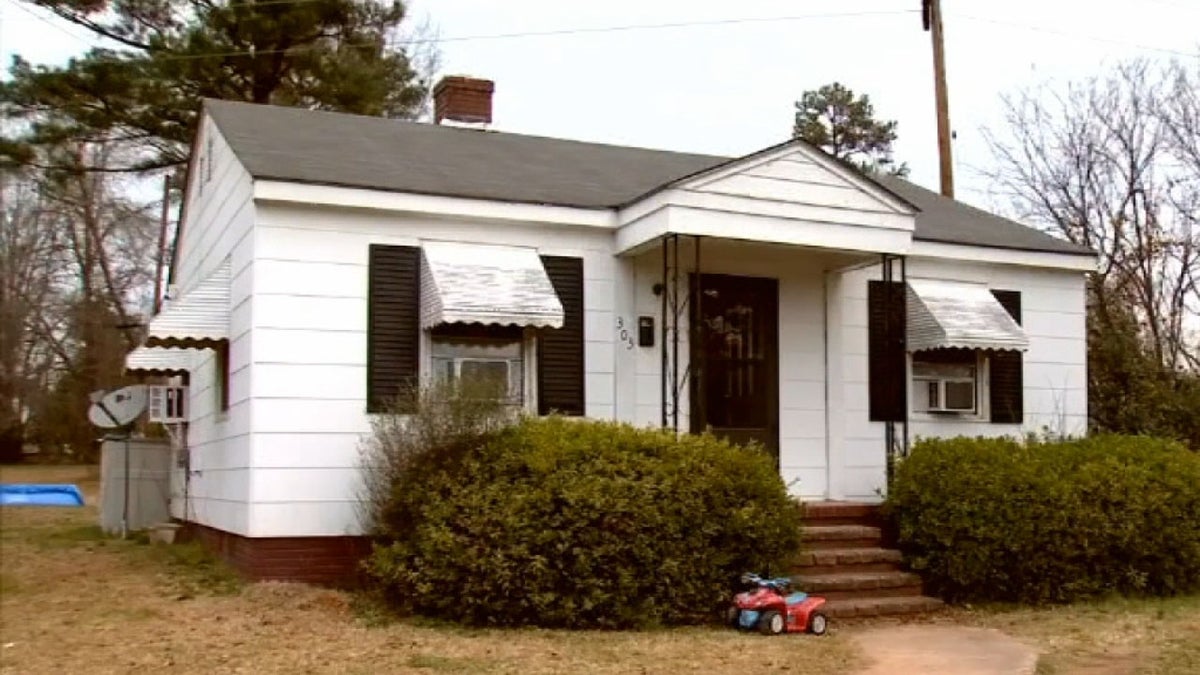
(994, 519)
(565, 523)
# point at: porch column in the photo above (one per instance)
(835, 390)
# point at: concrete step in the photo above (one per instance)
(841, 536)
(842, 585)
(833, 560)
(877, 606)
(841, 513)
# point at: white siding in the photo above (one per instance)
(1055, 367)
(795, 178)
(310, 321)
(218, 224)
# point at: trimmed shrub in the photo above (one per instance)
(570, 523)
(1045, 521)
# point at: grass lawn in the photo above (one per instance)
(1107, 637)
(72, 600)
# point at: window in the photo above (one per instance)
(946, 381)
(484, 360)
(208, 160)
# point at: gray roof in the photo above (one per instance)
(298, 145)
(950, 221)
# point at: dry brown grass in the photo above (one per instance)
(1110, 637)
(1120, 636)
(73, 601)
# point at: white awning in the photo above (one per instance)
(165, 361)
(477, 283)
(948, 314)
(198, 319)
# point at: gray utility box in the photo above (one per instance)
(149, 483)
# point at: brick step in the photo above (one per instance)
(843, 585)
(879, 606)
(853, 560)
(840, 513)
(841, 537)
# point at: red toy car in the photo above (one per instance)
(773, 608)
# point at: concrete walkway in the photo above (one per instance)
(945, 650)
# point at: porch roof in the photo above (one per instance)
(477, 283)
(948, 315)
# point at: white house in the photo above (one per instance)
(325, 260)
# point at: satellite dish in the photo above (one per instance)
(118, 408)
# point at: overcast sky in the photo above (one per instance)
(727, 86)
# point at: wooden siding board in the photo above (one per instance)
(218, 224)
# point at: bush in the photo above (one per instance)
(1042, 521)
(565, 523)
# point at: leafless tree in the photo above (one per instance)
(76, 264)
(29, 273)
(1111, 162)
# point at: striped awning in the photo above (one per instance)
(199, 318)
(161, 361)
(487, 284)
(956, 315)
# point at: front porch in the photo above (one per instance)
(748, 340)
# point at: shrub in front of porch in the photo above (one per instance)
(571, 523)
(1049, 521)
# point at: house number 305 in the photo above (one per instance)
(623, 333)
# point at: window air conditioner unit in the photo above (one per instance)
(950, 396)
(167, 404)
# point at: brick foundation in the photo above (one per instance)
(329, 561)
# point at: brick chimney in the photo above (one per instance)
(462, 99)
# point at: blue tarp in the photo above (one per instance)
(39, 494)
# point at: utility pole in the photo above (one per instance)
(161, 254)
(931, 18)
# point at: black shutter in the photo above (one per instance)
(560, 350)
(1007, 383)
(887, 368)
(393, 324)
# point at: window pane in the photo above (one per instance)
(485, 378)
(960, 395)
(943, 370)
(933, 392)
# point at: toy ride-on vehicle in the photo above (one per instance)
(772, 607)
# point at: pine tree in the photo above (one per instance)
(143, 89)
(844, 125)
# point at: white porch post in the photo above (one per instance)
(835, 390)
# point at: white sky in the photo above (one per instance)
(729, 88)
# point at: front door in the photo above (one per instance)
(735, 358)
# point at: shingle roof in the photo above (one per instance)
(293, 144)
(950, 221)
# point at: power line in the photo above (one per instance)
(1078, 36)
(48, 22)
(545, 33)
